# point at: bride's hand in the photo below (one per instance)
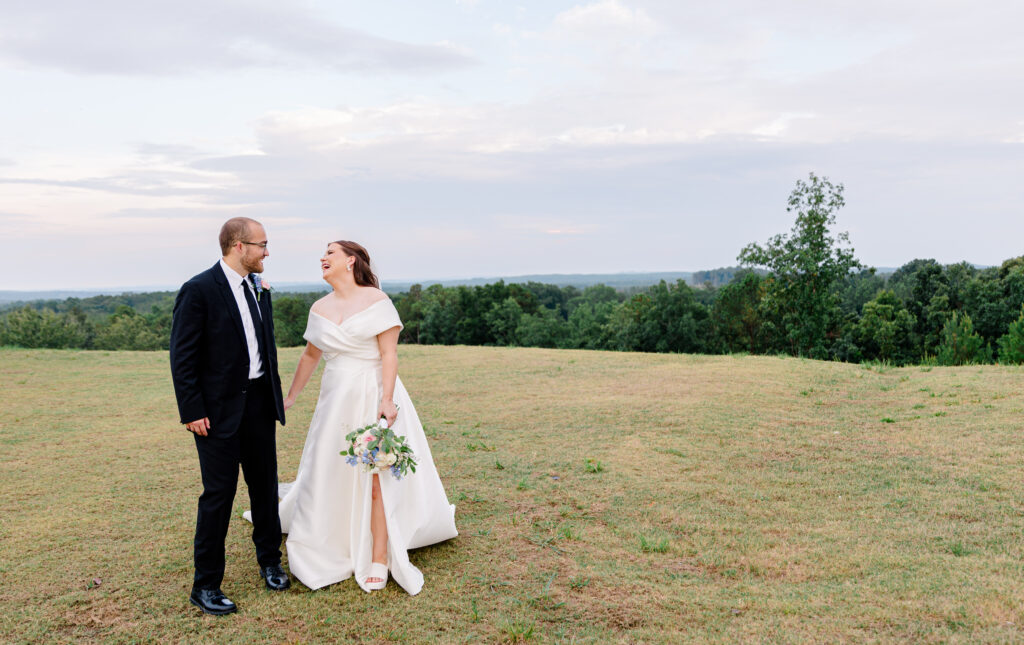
(388, 411)
(289, 401)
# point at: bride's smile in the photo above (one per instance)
(334, 258)
(325, 263)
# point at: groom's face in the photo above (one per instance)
(252, 255)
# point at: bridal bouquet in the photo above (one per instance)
(376, 449)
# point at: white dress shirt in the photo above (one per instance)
(237, 283)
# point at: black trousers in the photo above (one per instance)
(253, 446)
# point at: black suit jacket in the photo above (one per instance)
(209, 354)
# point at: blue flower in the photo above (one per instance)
(257, 283)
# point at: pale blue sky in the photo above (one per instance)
(482, 138)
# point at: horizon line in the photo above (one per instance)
(103, 290)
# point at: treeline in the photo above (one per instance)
(100, 307)
(802, 293)
(72, 328)
(136, 321)
(925, 312)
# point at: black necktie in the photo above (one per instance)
(257, 321)
(249, 288)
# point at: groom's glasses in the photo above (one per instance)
(262, 245)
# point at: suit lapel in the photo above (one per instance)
(229, 300)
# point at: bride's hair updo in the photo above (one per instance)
(361, 270)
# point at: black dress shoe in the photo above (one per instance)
(212, 601)
(275, 577)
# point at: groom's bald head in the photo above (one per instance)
(235, 230)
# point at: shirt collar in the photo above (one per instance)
(233, 277)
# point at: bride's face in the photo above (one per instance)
(334, 261)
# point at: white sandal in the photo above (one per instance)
(377, 570)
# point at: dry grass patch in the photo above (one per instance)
(602, 498)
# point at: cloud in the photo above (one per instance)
(168, 152)
(606, 19)
(144, 38)
(633, 135)
(669, 70)
(685, 206)
(137, 182)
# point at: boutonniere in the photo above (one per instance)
(260, 284)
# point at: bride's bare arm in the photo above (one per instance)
(307, 363)
(388, 343)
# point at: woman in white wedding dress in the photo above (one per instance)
(340, 520)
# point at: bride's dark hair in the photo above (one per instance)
(361, 270)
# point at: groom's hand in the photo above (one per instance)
(199, 427)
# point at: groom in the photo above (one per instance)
(224, 367)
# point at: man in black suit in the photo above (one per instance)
(224, 367)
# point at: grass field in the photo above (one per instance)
(602, 498)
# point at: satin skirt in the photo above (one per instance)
(326, 511)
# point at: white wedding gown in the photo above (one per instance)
(326, 511)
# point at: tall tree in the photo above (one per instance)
(806, 266)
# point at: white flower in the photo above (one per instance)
(389, 459)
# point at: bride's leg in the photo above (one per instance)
(378, 527)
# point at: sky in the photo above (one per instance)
(464, 138)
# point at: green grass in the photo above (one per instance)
(602, 498)
(653, 544)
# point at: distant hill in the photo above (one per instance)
(617, 280)
(581, 280)
(717, 278)
(28, 296)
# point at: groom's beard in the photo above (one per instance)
(252, 265)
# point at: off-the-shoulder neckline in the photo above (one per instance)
(361, 311)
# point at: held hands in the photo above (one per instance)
(289, 401)
(199, 427)
(388, 411)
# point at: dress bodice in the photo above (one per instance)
(356, 336)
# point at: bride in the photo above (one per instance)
(340, 520)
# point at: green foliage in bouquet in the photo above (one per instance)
(376, 448)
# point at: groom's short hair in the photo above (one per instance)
(234, 230)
